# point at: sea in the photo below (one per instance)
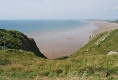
(41, 26)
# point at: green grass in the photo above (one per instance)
(91, 62)
(109, 44)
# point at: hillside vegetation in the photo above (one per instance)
(91, 62)
(17, 40)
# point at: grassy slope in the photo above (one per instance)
(109, 44)
(17, 40)
(89, 62)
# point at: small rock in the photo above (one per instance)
(21, 50)
(112, 52)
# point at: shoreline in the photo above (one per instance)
(104, 26)
(65, 43)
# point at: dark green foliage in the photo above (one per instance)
(17, 40)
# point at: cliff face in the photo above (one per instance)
(17, 40)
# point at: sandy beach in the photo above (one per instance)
(104, 26)
(65, 43)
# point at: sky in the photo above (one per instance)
(58, 9)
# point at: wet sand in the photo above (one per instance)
(65, 43)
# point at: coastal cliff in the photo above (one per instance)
(17, 40)
(91, 62)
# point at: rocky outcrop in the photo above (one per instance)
(17, 40)
(112, 53)
(101, 39)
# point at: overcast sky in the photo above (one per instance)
(58, 9)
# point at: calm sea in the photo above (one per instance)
(40, 26)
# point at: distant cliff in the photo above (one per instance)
(17, 40)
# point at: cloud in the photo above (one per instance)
(111, 9)
(115, 8)
(54, 9)
(107, 9)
